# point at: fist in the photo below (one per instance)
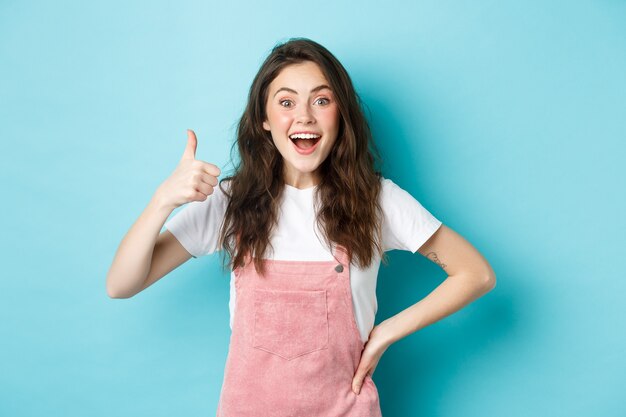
(192, 180)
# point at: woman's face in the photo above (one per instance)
(300, 101)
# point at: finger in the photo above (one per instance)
(357, 382)
(192, 143)
(209, 179)
(198, 196)
(205, 189)
(211, 169)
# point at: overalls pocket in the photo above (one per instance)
(290, 323)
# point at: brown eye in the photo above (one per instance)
(284, 101)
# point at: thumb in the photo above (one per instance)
(192, 142)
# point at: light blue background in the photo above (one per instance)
(506, 120)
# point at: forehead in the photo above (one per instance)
(299, 76)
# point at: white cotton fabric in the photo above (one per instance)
(407, 225)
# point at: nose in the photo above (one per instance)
(305, 115)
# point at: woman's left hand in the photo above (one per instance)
(375, 346)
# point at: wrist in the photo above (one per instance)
(385, 332)
(159, 205)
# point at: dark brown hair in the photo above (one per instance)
(348, 211)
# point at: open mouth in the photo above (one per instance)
(305, 141)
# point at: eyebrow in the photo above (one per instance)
(314, 90)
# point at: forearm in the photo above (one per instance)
(132, 260)
(450, 296)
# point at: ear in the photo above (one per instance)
(266, 126)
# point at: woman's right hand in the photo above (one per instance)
(192, 180)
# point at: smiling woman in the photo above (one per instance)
(303, 119)
(305, 220)
(302, 88)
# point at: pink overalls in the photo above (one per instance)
(295, 345)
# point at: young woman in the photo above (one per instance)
(306, 220)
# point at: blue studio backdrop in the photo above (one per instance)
(506, 120)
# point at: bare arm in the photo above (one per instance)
(144, 256)
(469, 277)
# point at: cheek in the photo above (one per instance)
(330, 117)
(276, 119)
(282, 120)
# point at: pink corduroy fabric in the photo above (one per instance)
(295, 345)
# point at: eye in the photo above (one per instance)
(284, 101)
(326, 101)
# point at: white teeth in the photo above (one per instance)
(304, 136)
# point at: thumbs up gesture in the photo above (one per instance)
(192, 180)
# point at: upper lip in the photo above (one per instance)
(311, 133)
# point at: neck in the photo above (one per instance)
(302, 181)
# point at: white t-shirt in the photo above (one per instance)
(407, 225)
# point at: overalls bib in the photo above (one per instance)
(295, 345)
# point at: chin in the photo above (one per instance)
(306, 170)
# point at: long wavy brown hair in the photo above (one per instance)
(348, 208)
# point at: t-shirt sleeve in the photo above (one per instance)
(197, 225)
(407, 224)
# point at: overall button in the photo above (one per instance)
(339, 268)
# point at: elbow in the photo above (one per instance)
(484, 279)
(489, 280)
(114, 292)
(490, 283)
(117, 295)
